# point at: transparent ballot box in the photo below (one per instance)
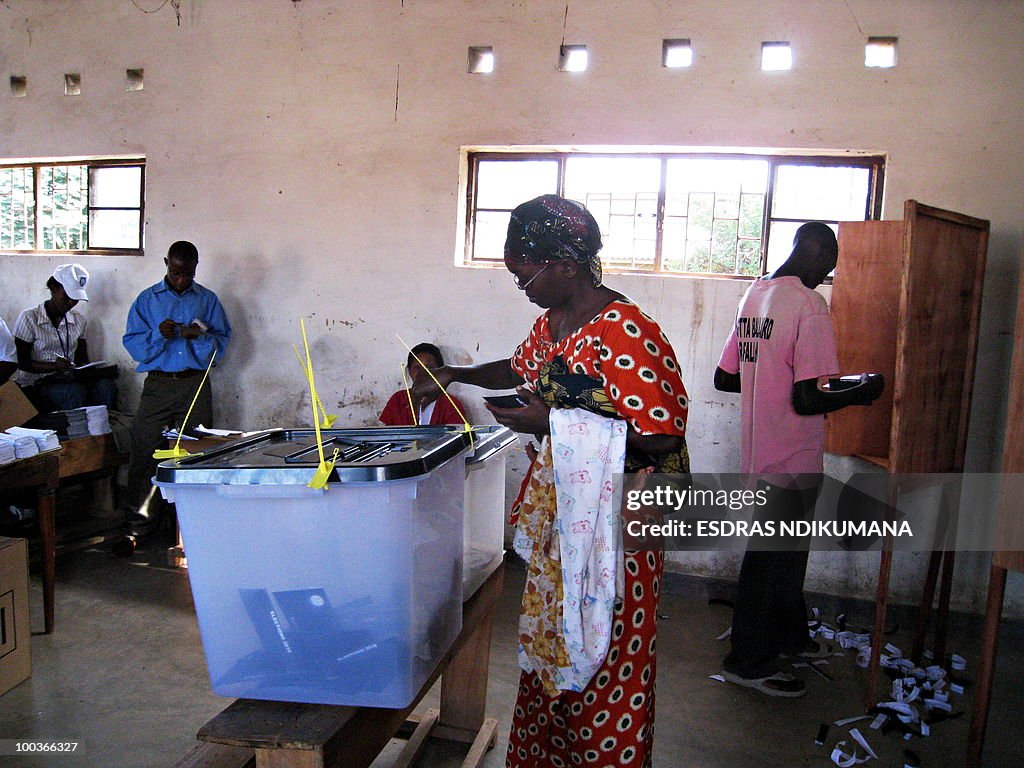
(483, 536)
(345, 595)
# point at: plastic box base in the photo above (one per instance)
(346, 596)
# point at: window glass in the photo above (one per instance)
(490, 232)
(113, 229)
(115, 187)
(622, 194)
(507, 183)
(718, 204)
(79, 206)
(677, 212)
(63, 202)
(17, 208)
(820, 193)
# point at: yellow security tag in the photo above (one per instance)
(408, 394)
(176, 452)
(326, 419)
(323, 472)
(466, 427)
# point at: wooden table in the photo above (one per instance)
(289, 735)
(82, 457)
(42, 474)
(93, 455)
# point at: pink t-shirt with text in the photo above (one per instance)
(783, 334)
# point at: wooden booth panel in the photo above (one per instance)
(865, 304)
(1010, 530)
(936, 341)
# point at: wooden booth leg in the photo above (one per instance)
(881, 597)
(942, 617)
(892, 492)
(924, 611)
(986, 666)
(942, 560)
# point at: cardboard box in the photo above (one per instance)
(15, 656)
(15, 409)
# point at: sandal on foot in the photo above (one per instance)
(779, 684)
(814, 650)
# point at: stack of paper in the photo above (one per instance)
(23, 446)
(46, 439)
(98, 419)
(59, 422)
(78, 422)
(7, 453)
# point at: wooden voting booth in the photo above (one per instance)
(1010, 538)
(906, 301)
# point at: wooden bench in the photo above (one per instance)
(269, 734)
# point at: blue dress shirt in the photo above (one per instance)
(159, 302)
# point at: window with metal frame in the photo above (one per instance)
(710, 214)
(74, 206)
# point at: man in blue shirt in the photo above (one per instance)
(173, 330)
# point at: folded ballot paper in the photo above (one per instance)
(45, 439)
(200, 431)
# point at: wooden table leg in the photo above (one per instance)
(986, 666)
(46, 510)
(464, 683)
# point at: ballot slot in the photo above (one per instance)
(348, 451)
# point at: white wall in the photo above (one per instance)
(273, 142)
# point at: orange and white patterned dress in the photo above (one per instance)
(622, 365)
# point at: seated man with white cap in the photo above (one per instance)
(51, 342)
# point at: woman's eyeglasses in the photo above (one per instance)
(524, 286)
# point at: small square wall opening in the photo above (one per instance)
(572, 58)
(19, 86)
(72, 84)
(133, 80)
(676, 54)
(776, 57)
(481, 60)
(880, 52)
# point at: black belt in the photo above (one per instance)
(187, 374)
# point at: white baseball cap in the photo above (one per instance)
(73, 277)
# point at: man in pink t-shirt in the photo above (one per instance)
(779, 356)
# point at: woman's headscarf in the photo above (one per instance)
(552, 228)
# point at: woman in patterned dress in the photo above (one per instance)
(592, 349)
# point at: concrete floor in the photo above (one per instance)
(124, 676)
